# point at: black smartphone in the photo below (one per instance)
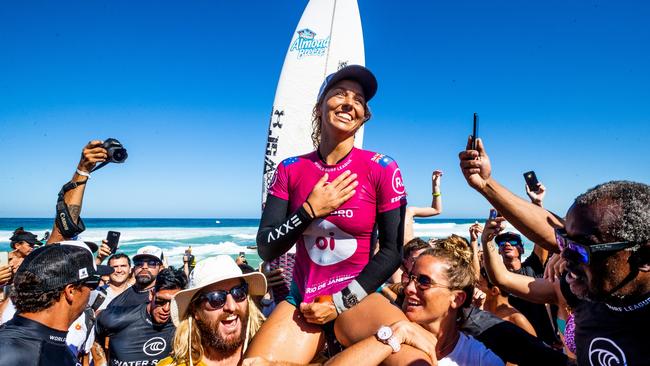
(113, 238)
(475, 131)
(242, 254)
(531, 180)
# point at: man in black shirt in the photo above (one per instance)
(51, 290)
(511, 249)
(146, 265)
(605, 240)
(142, 334)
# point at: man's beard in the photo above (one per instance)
(210, 336)
(144, 279)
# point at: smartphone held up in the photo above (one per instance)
(531, 181)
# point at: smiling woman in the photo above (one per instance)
(328, 203)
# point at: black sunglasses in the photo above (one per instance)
(586, 251)
(422, 281)
(149, 262)
(217, 299)
(161, 302)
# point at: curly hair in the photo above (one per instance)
(170, 279)
(316, 124)
(628, 216)
(459, 258)
(27, 297)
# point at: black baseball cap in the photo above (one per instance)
(358, 73)
(60, 264)
(21, 235)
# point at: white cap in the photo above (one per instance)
(149, 251)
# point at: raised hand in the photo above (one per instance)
(492, 228)
(435, 178)
(475, 164)
(474, 231)
(273, 277)
(537, 196)
(325, 198)
(92, 154)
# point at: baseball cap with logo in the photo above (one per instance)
(150, 251)
(358, 73)
(60, 264)
(208, 272)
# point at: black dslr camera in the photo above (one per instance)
(116, 151)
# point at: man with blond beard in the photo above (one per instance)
(215, 317)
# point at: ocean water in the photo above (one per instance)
(207, 237)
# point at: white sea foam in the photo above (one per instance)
(164, 233)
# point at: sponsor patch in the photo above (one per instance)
(397, 182)
(289, 161)
(327, 244)
(83, 273)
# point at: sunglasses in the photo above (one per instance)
(217, 299)
(512, 242)
(586, 251)
(423, 282)
(149, 262)
(161, 302)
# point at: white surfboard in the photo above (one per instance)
(327, 38)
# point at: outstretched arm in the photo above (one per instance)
(528, 288)
(92, 154)
(533, 221)
(435, 209)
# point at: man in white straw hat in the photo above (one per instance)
(215, 317)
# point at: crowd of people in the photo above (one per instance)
(361, 288)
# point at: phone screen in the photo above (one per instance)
(4, 258)
(475, 131)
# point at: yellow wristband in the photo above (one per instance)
(436, 194)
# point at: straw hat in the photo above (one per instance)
(208, 272)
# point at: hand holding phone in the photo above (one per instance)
(112, 239)
(475, 131)
(531, 181)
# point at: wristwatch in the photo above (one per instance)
(349, 299)
(385, 336)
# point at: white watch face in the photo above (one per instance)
(384, 333)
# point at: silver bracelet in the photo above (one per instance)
(82, 173)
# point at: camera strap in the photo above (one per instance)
(63, 219)
(101, 165)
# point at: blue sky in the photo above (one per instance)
(561, 88)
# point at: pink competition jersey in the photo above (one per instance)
(333, 250)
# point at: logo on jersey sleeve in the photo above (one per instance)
(381, 159)
(289, 161)
(154, 346)
(327, 244)
(397, 182)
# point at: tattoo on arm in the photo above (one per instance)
(75, 210)
(491, 247)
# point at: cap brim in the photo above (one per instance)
(138, 256)
(181, 301)
(358, 73)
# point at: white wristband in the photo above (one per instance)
(85, 174)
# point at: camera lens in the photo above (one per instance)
(117, 155)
